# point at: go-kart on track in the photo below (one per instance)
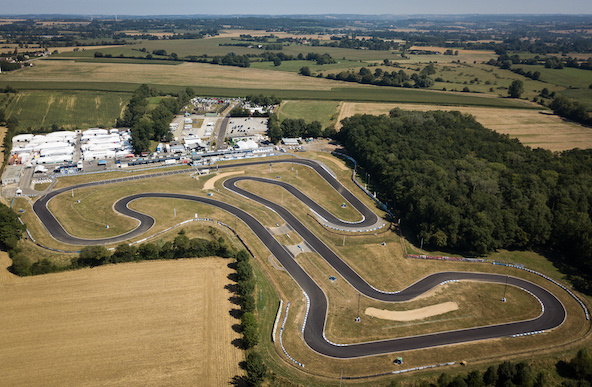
(553, 313)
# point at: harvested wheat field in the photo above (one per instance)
(535, 128)
(148, 323)
(185, 74)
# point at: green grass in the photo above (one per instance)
(71, 109)
(322, 111)
(361, 93)
(575, 81)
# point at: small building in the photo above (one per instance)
(290, 141)
(246, 144)
(12, 174)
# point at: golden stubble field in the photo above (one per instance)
(534, 128)
(148, 323)
(185, 74)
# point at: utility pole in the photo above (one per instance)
(343, 244)
(505, 288)
(359, 296)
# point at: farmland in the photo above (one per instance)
(133, 324)
(76, 109)
(535, 128)
(323, 111)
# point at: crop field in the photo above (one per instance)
(534, 128)
(75, 109)
(323, 111)
(217, 80)
(165, 323)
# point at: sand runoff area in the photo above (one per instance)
(415, 314)
(210, 183)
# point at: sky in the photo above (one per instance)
(283, 7)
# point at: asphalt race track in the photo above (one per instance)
(553, 313)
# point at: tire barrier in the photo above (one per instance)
(306, 314)
(281, 340)
(277, 320)
(528, 334)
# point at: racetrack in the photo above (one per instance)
(553, 313)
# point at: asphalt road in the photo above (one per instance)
(553, 313)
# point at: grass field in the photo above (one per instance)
(325, 112)
(165, 323)
(534, 128)
(72, 109)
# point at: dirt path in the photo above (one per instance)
(210, 183)
(415, 314)
(346, 111)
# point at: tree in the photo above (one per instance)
(255, 368)
(124, 253)
(277, 61)
(516, 89)
(304, 71)
(250, 333)
(92, 256)
(10, 228)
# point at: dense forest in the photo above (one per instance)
(461, 187)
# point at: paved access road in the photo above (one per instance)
(553, 313)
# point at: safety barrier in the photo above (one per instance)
(527, 334)
(277, 320)
(306, 314)
(281, 339)
(380, 204)
(422, 368)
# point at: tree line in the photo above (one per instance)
(245, 287)
(292, 127)
(153, 124)
(458, 186)
(380, 77)
(92, 256)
